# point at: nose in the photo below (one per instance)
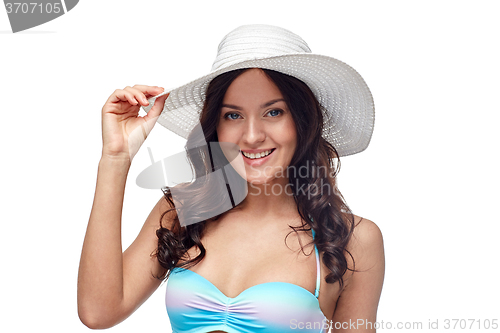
(253, 133)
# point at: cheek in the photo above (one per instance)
(225, 133)
(220, 132)
(288, 134)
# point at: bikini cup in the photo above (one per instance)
(194, 304)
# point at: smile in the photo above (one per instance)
(258, 155)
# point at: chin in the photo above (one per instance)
(259, 181)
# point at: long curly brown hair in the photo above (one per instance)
(325, 212)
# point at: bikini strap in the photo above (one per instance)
(318, 270)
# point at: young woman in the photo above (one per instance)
(290, 256)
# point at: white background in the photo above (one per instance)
(428, 179)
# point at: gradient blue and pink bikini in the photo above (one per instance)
(194, 304)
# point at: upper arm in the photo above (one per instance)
(359, 299)
(139, 266)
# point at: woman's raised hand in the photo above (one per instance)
(111, 283)
(123, 131)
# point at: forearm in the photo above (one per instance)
(100, 277)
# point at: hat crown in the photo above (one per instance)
(257, 41)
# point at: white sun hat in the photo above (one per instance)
(342, 93)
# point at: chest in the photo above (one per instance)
(241, 261)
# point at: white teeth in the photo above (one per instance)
(258, 155)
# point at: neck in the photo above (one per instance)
(269, 200)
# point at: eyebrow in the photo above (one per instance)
(265, 105)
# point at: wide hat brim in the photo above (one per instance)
(342, 93)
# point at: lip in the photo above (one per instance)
(259, 161)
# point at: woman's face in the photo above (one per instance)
(255, 116)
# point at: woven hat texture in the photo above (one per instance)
(342, 93)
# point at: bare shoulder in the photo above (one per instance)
(366, 232)
(365, 277)
(366, 246)
(163, 210)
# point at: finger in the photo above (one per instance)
(122, 96)
(138, 95)
(142, 92)
(148, 90)
(157, 107)
(153, 114)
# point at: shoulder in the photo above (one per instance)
(366, 246)
(363, 281)
(366, 233)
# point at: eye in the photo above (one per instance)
(275, 113)
(231, 115)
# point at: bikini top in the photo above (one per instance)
(194, 304)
